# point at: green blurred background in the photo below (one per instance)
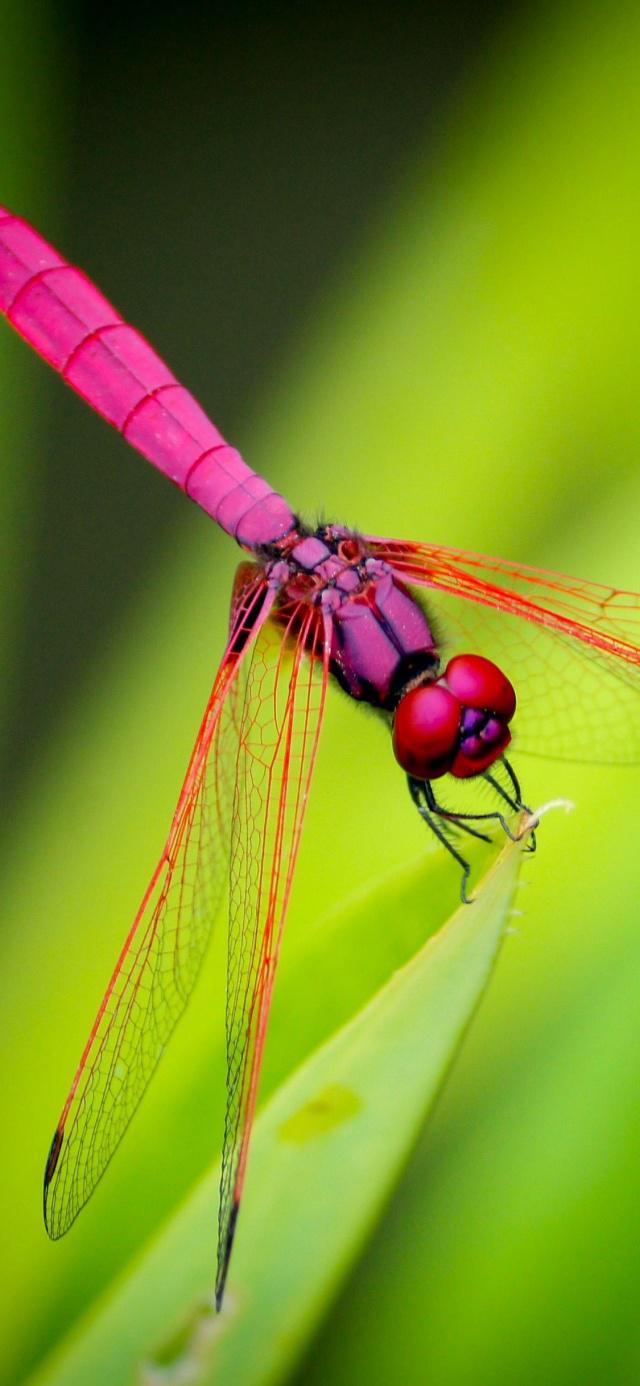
(396, 256)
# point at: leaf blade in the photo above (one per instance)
(327, 1149)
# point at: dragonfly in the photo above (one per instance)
(311, 605)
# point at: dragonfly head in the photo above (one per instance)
(458, 724)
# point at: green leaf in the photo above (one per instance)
(471, 378)
(326, 1152)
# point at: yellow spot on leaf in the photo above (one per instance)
(330, 1108)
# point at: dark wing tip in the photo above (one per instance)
(225, 1254)
(49, 1171)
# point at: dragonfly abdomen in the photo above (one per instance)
(111, 365)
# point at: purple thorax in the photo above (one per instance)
(380, 636)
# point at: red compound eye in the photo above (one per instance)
(425, 731)
(487, 703)
(457, 724)
(477, 682)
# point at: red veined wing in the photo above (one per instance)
(279, 727)
(571, 648)
(161, 957)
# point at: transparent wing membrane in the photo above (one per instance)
(161, 957)
(278, 735)
(570, 648)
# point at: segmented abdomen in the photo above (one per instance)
(67, 320)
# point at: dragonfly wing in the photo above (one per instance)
(279, 728)
(161, 957)
(571, 648)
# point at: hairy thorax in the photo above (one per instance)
(380, 637)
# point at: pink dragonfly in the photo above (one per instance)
(309, 605)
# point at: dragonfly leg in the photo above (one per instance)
(451, 819)
(514, 800)
(514, 782)
(463, 820)
(417, 791)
